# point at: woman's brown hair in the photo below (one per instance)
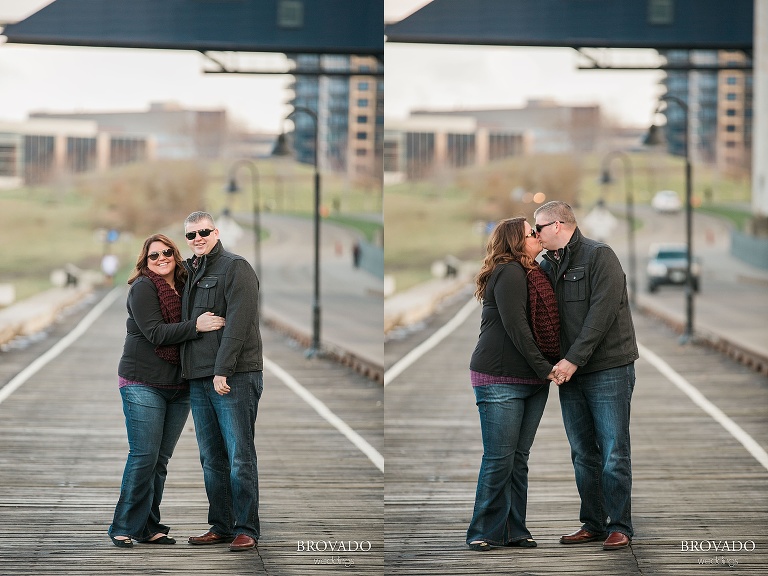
(506, 244)
(179, 274)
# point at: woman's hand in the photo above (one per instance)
(208, 322)
(555, 376)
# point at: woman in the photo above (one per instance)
(155, 396)
(510, 371)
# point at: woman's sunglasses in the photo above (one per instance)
(168, 252)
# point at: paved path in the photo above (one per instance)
(351, 299)
(63, 448)
(693, 479)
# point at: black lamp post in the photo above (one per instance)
(233, 188)
(282, 149)
(654, 138)
(606, 179)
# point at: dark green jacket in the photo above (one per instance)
(225, 284)
(596, 329)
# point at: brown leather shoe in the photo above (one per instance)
(615, 541)
(242, 542)
(209, 538)
(579, 537)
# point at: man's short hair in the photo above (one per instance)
(557, 210)
(196, 217)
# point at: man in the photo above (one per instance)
(597, 341)
(224, 369)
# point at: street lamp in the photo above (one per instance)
(233, 188)
(655, 138)
(282, 149)
(606, 179)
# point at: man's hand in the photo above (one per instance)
(564, 370)
(220, 385)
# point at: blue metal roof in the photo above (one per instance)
(288, 26)
(661, 24)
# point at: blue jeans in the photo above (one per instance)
(225, 429)
(154, 419)
(595, 411)
(509, 417)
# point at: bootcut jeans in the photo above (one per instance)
(154, 419)
(509, 417)
(595, 408)
(225, 427)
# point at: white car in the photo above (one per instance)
(666, 201)
(668, 264)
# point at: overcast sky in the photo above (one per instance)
(455, 77)
(67, 79)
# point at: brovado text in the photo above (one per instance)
(717, 546)
(333, 546)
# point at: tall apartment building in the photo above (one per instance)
(350, 113)
(719, 110)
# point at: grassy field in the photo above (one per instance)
(49, 227)
(425, 221)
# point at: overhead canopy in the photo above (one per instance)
(352, 27)
(659, 24)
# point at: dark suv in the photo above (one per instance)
(667, 265)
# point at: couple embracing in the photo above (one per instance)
(192, 339)
(567, 321)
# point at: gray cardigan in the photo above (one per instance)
(506, 346)
(146, 330)
(596, 329)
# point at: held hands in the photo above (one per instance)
(208, 321)
(562, 371)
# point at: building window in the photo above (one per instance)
(730, 144)
(8, 156)
(730, 112)
(730, 96)
(730, 128)
(661, 12)
(362, 102)
(360, 152)
(731, 80)
(363, 86)
(362, 119)
(362, 135)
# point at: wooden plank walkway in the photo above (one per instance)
(63, 447)
(692, 479)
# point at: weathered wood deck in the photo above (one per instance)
(692, 479)
(63, 447)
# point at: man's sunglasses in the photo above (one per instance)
(168, 252)
(538, 226)
(204, 233)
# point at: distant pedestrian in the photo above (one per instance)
(597, 338)
(109, 267)
(225, 373)
(510, 371)
(356, 254)
(155, 395)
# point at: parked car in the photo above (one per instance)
(667, 265)
(666, 201)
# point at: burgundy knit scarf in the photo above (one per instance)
(170, 308)
(545, 319)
